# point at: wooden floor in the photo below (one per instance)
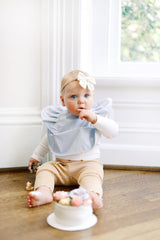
(131, 209)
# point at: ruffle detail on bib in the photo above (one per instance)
(69, 135)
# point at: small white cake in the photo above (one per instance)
(71, 216)
(72, 210)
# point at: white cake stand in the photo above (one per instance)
(51, 220)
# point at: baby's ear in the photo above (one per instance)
(62, 100)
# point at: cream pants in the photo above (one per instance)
(88, 174)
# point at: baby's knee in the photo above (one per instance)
(48, 166)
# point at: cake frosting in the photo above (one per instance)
(73, 208)
(71, 216)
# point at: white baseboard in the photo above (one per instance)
(130, 155)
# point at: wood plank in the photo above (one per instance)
(131, 209)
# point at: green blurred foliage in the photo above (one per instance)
(140, 30)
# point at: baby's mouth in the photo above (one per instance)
(81, 108)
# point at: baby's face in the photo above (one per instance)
(75, 98)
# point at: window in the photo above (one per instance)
(121, 37)
(140, 31)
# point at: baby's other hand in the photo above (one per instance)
(87, 115)
(33, 164)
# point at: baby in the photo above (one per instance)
(73, 134)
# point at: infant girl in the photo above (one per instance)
(74, 130)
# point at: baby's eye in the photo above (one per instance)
(73, 96)
(86, 95)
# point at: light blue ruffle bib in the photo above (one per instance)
(69, 135)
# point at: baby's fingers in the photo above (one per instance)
(81, 115)
(32, 166)
(29, 165)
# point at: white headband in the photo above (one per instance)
(85, 81)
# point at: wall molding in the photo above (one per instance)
(129, 147)
(137, 104)
(60, 45)
(20, 116)
(139, 128)
(128, 81)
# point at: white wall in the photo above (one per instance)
(20, 77)
(136, 100)
(39, 42)
(137, 110)
(134, 87)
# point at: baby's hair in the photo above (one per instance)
(70, 77)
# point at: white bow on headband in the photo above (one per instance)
(85, 81)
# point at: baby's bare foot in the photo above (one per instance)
(97, 201)
(39, 197)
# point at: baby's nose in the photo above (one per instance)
(81, 100)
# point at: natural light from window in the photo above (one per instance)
(121, 38)
(140, 30)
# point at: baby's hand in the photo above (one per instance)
(87, 115)
(33, 162)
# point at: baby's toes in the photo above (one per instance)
(29, 201)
